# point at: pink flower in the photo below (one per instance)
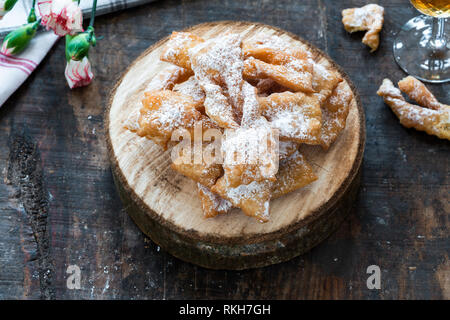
(78, 73)
(2, 8)
(62, 16)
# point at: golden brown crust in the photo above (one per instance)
(418, 92)
(168, 78)
(252, 198)
(176, 49)
(434, 122)
(368, 18)
(255, 69)
(165, 111)
(334, 115)
(297, 116)
(212, 203)
(294, 173)
(203, 173)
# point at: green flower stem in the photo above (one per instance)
(77, 46)
(94, 8)
(91, 36)
(32, 15)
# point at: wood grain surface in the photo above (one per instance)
(59, 206)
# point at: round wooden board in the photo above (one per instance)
(165, 206)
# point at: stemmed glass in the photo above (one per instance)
(422, 47)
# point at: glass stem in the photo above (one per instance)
(438, 42)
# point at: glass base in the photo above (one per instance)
(412, 54)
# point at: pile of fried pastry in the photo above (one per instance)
(246, 89)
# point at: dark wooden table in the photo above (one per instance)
(59, 206)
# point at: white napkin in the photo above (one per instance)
(16, 69)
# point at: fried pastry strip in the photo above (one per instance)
(304, 67)
(256, 47)
(192, 88)
(218, 107)
(167, 78)
(165, 111)
(203, 173)
(212, 203)
(132, 121)
(250, 154)
(176, 49)
(334, 115)
(286, 148)
(297, 116)
(368, 18)
(294, 173)
(164, 80)
(277, 56)
(251, 113)
(255, 69)
(417, 91)
(252, 198)
(218, 66)
(324, 81)
(266, 87)
(434, 122)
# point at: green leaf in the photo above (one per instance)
(9, 4)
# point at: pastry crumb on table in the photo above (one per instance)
(368, 18)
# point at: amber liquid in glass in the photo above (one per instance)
(434, 8)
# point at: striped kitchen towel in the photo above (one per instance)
(14, 70)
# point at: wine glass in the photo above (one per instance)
(422, 47)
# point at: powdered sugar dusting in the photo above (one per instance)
(176, 48)
(245, 192)
(387, 89)
(169, 111)
(370, 18)
(435, 122)
(166, 79)
(217, 106)
(218, 203)
(275, 42)
(254, 148)
(132, 122)
(192, 88)
(363, 18)
(293, 117)
(417, 91)
(250, 113)
(219, 61)
(286, 148)
(334, 114)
